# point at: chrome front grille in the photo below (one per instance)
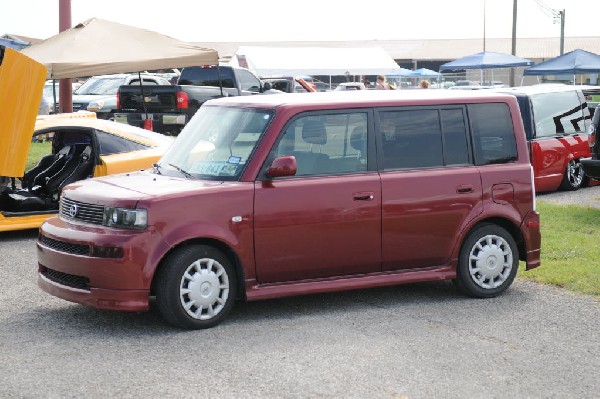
(75, 210)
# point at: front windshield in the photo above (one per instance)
(100, 86)
(217, 143)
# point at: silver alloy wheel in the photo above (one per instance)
(575, 173)
(490, 261)
(204, 289)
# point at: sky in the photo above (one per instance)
(312, 20)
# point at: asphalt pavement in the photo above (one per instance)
(411, 341)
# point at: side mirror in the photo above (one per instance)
(283, 166)
(266, 86)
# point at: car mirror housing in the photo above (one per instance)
(283, 166)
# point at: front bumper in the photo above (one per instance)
(67, 272)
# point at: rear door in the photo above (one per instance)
(430, 185)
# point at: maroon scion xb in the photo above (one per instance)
(269, 196)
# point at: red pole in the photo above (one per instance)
(65, 95)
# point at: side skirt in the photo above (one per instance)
(305, 287)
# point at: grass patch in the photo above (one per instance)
(36, 152)
(570, 248)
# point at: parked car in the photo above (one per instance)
(350, 86)
(51, 91)
(81, 146)
(556, 119)
(270, 196)
(99, 93)
(591, 165)
(290, 84)
(172, 106)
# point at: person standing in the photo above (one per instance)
(382, 83)
(424, 84)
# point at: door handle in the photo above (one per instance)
(364, 196)
(464, 189)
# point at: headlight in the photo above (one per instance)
(125, 218)
(95, 105)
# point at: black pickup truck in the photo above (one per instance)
(170, 107)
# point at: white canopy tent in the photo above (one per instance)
(98, 47)
(287, 61)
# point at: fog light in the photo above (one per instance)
(106, 252)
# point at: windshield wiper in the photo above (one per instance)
(183, 172)
(156, 168)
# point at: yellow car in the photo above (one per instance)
(80, 146)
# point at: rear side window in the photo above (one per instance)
(198, 76)
(558, 113)
(419, 138)
(493, 133)
(111, 144)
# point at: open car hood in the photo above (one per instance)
(21, 85)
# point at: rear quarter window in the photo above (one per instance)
(493, 133)
(557, 113)
(111, 144)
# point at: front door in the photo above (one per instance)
(326, 220)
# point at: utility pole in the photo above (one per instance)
(65, 95)
(561, 15)
(514, 43)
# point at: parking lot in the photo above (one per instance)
(412, 341)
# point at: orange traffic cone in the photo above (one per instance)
(148, 125)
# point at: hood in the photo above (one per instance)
(21, 85)
(129, 188)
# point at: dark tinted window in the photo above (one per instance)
(493, 135)
(111, 144)
(411, 139)
(199, 76)
(456, 149)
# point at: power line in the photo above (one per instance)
(550, 12)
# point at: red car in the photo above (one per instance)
(556, 120)
(264, 197)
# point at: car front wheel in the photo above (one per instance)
(488, 262)
(574, 177)
(196, 287)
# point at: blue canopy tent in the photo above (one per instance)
(486, 60)
(572, 63)
(402, 73)
(424, 73)
(13, 44)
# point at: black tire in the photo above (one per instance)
(574, 177)
(192, 276)
(488, 262)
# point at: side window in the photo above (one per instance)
(558, 113)
(248, 82)
(326, 144)
(493, 133)
(411, 138)
(454, 132)
(111, 144)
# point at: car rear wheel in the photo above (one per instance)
(574, 177)
(488, 262)
(196, 287)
